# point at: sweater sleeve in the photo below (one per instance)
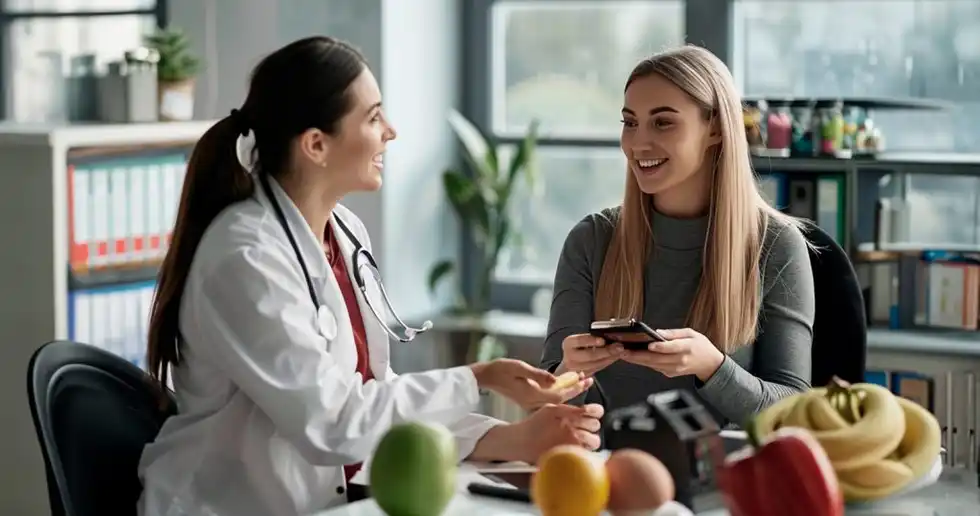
(781, 360)
(571, 307)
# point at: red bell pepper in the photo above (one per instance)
(787, 474)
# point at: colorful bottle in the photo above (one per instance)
(779, 127)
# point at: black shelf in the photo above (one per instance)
(950, 163)
(869, 103)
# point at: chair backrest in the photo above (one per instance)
(93, 412)
(840, 328)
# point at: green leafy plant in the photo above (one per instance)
(177, 60)
(480, 194)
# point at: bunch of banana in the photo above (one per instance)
(877, 442)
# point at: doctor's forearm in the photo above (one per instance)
(501, 442)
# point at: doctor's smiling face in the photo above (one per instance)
(352, 157)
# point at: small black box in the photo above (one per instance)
(674, 427)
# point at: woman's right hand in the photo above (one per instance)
(588, 354)
(524, 384)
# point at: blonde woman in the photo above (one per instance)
(694, 250)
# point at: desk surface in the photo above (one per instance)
(956, 494)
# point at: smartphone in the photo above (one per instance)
(632, 334)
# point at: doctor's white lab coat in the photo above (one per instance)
(269, 408)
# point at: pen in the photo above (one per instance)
(502, 493)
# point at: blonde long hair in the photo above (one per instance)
(726, 306)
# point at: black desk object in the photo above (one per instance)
(677, 429)
(512, 494)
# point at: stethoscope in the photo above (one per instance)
(360, 259)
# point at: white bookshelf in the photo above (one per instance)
(34, 271)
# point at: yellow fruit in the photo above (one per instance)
(565, 380)
(570, 481)
(920, 445)
(849, 446)
(913, 458)
(877, 442)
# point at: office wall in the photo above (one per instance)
(421, 84)
(410, 224)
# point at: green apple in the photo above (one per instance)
(413, 470)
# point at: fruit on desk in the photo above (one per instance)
(786, 472)
(413, 470)
(565, 380)
(637, 482)
(878, 443)
(570, 481)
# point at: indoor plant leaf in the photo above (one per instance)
(523, 160)
(177, 60)
(466, 200)
(439, 271)
(479, 153)
(524, 157)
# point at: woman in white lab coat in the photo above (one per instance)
(265, 313)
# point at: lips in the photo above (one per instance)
(378, 161)
(650, 165)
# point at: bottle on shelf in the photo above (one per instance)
(779, 129)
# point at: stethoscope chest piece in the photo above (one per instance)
(327, 323)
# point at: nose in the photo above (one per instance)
(642, 146)
(389, 134)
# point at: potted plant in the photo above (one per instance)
(176, 71)
(480, 195)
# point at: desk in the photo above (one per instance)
(956, 494)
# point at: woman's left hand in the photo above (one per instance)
(684, 352)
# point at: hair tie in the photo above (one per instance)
(240, 122)
(245, 143)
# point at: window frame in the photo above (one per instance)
(707, 23)
(7, 16)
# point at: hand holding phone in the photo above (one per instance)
(633, 334)
(587, 354)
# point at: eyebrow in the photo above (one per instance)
(374, 106)
(654, 111)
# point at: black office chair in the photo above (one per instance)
(93, 412)
(840, 329)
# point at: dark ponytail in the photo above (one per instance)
(214, 180)
(300, 86)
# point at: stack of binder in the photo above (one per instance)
(121, 213)
(817, 197)
(114, 318)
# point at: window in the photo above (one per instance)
(49, 42)
(564, 63)
(571, 183)
(882, 48)
(63, 6)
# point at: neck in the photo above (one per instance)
(690, 199)
(315, 202)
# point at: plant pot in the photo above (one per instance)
(176, 100)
